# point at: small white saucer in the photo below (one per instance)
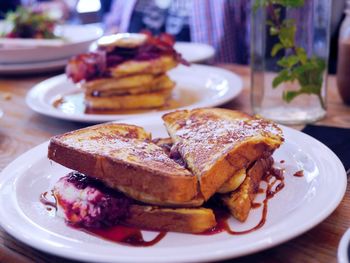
(343, 249)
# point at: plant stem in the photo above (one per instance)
(301, 68)
(272, 13)
(277, 22)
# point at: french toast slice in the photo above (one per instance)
(135, 84)
(217, 143)
(86, 202)
(149, 100)
(124, 158)
(187, 220)
(153, 66)
(239, 202)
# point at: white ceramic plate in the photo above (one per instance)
(196, 86)
(344, 248)
(77, 40)
(35, 67)
(302, 204)
(195, 52)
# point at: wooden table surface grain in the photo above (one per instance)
(21, 129)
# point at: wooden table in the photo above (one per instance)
(21, 129)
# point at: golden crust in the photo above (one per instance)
(188, 220)
(135, 84)
(128, 102)
(154, 66)
(240, 201)
(123, 157)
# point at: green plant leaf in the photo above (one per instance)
(301, 53)
(288, 62)
(276, 48)
(289, 95)
(283, 76)
(287, 36)
(311, 89)
(274, 31)
(289, 3)
(270, 23)
(321, 63)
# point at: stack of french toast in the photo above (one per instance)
(128, 71)
(123, 176)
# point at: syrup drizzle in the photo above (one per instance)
(49, 205)
(256, 205)
(119, 233)
(261, 191)
(124, 235)
(222, 225)
(299, 173)
(272, 177)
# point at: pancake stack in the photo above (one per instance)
(127, 72)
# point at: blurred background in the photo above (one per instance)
(223, 24)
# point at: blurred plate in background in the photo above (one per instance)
(77, 39)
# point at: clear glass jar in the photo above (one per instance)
(289, 56)
(343, 65)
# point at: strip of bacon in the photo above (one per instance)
(86, 66)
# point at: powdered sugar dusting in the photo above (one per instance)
(129, 150)
(224, 131)
(203, 140)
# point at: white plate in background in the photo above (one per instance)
(195, 52)
(196, 86)
(35, 67)
(301, 205)
(78, 39)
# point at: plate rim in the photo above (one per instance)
(31, 101)
(335, 201)
(33, 65)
